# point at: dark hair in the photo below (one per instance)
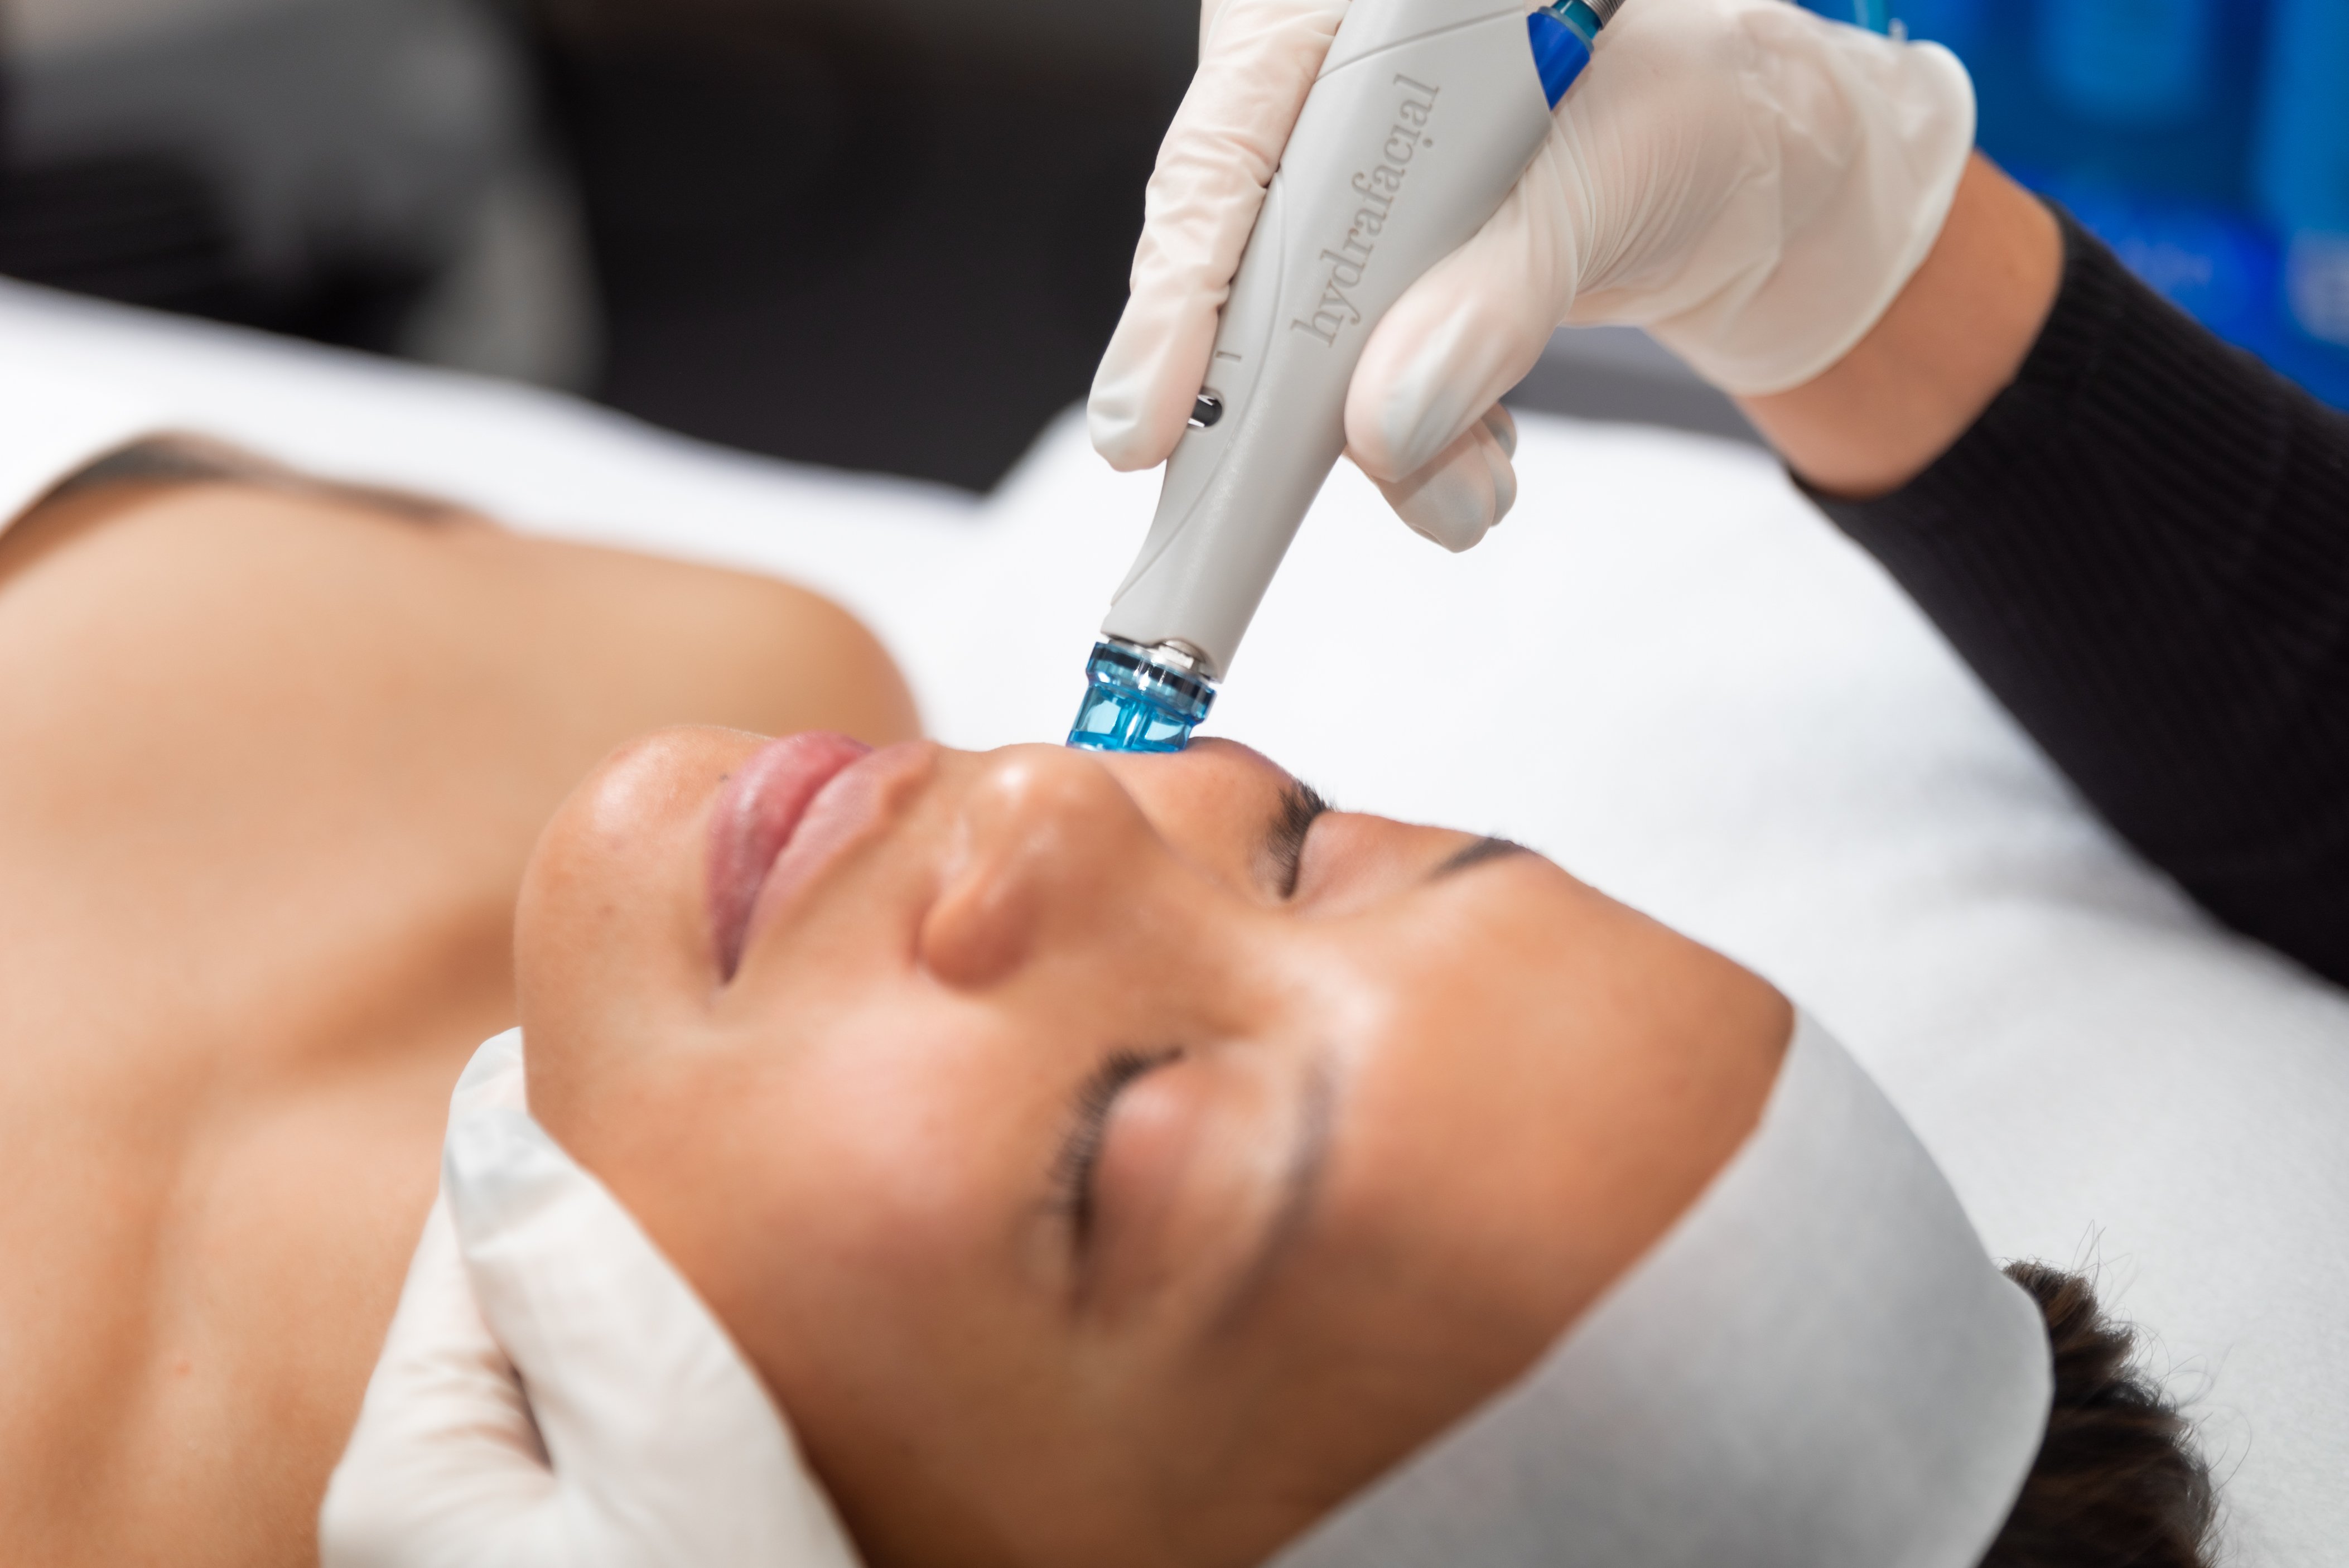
(2118, 1482)
(175, 459)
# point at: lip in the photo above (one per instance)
(778, 802)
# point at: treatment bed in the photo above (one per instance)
(1666, 671)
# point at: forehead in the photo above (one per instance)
(1525, 1073)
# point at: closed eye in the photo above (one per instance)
(1078, 1156)
(1284, 839)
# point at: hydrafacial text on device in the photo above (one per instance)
(1426, 114)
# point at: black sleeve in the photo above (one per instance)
(2142, 547)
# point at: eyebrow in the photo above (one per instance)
(1284, 834)
(1489, 848)
(1300, 1183)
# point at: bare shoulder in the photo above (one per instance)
(242, 562)
(275, 755)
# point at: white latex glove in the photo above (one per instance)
(552, 1394)
(1749, 182)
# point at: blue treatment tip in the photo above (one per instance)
(1561, 38)
(1134, 702)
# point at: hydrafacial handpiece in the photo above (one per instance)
(1424, 115)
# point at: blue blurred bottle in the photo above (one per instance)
(1957, 25)
(2302, 165)
(1873, 14)
(2128, 62)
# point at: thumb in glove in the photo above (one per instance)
(552, 1394)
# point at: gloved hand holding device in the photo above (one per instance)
(1751, 184)
(552, 1394)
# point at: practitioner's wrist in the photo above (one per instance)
(1950, 342)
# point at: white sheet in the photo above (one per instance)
(1666, 672)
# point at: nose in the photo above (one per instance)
(1050, 842)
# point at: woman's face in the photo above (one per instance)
(1106, 1158)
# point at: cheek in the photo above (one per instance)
(592, 963)
(610, 961)
(873, 1255)
(1195, 1157)
(881, 1181)
(614, 884)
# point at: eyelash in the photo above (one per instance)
(1298, 809)
(1080, 1156)
(1073, 1167)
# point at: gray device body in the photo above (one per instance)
(1424, 115)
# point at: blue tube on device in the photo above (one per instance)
(1138, 700)
(1424, 115)
(1562, 35)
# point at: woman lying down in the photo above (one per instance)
(1098, 1159)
